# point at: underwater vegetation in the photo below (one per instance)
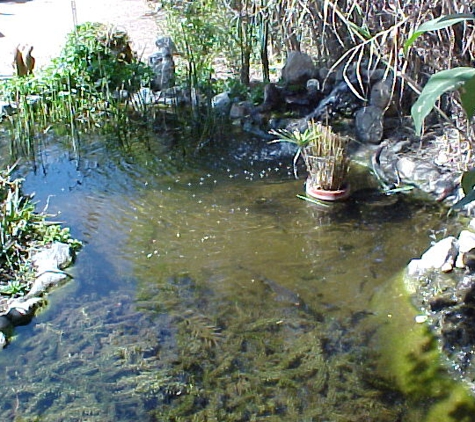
(233, 363)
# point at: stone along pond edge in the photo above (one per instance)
(49, 263)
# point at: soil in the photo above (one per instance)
(44, 25)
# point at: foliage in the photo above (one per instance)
(441, 22)
(458, 78)
(22, 229)
(440, 83)
(446, 80)
(253, 364)
(99, 57)
(79, 88)
(199, 33)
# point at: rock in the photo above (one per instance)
(6, 109)
(240, 110)
(439, 256)
(5, 324)
(272, 98)
(166, 42)
(48, 263)
(44, 281)
(162, 64)
(468, 259)
(441, 302)
(369, 124)
(21, 311)
(466, 242)
(146, 96)
(53, 257)
(381, 94)
(3, 340)
(298, 68)
(221, 104)
(313, 91)
(313, 85)
(426, 176)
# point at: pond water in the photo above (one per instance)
(206, 290)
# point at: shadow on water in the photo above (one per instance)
(207, 291)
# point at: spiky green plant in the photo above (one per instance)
(323, 151)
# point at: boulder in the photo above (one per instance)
(162, 64)
(221, 104)
(440, 256)
(466, 242)
(369, 124)
(381, 94)
(426, 176)
(298, 69)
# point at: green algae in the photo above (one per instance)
(411, 356)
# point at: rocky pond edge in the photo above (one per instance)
(49, 263)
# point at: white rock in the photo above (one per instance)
(56, 255)
(466, 242)
(440, 256)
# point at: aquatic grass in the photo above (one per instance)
(78, 89)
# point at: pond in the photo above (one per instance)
(206, 290)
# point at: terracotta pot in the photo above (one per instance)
(327, 195)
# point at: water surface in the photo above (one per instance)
(206, 290)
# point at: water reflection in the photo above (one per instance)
(208, 291)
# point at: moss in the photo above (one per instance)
(414, 361)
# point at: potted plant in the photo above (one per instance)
(325, 155)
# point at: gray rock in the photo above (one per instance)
(298, 69)
(6, 109)
(426, 176)
(3, 340)
(439, 256)
(369, 124)
(221, 104)
(45, 281)
(162, 64)
(145, 96)
(5, 324)
(240, 110)
(313, 85)
(381, 94)
(21, 311)
(166, 42)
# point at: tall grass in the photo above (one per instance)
(78, 89)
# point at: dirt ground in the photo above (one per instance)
(44, 24)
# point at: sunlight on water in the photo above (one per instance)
(207, 291)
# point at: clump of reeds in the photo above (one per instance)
(326, 157)
(323, 151)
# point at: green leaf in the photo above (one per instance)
(441, 82)
(436, 24)
(464, 201)
(467, 95)
(468, 181)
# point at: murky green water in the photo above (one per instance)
(207, 291)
